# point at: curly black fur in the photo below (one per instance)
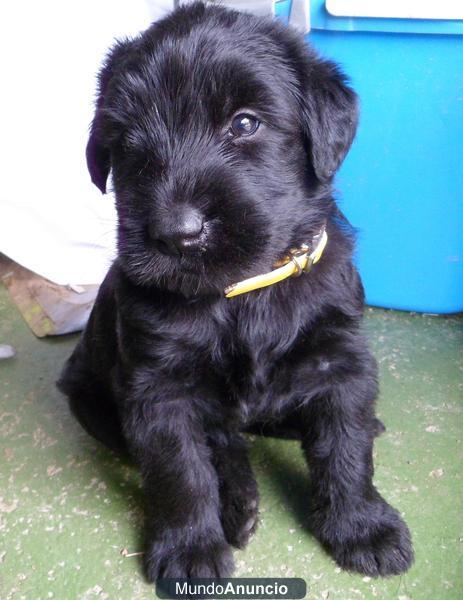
(169, 369)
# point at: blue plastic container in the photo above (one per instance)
(402, 182)
(283, 10)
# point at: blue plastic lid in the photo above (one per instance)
(322, 19)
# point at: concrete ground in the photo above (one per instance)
(70, 511)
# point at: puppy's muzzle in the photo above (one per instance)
(180, 231)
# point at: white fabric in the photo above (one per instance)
(52, 219)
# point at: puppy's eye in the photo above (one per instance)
(244, 125)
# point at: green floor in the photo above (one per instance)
(70, 512)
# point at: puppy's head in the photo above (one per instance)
(222, 132)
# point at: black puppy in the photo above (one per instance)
(223, 132)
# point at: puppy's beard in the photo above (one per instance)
(207, 271)
(190, 285)
(189, 277)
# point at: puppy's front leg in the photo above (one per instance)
(349, 516)
(184, 532)
(239, 496)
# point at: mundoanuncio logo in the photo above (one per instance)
(232, 588)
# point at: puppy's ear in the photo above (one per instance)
(98, 153)
(329, 116)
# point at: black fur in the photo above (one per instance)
(173, 372)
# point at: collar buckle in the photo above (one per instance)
(297, 261)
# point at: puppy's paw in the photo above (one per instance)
(375, 541)
(240, 512)
(199, 558)
(386, 550)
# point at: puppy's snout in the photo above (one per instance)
(179, 232)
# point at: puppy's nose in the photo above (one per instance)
(181, 232)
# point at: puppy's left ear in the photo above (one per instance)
(98, 153)
(329, 116)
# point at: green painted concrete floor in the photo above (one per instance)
(70, 512)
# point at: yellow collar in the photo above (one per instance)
(297, 261)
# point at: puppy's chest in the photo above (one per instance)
(241, 357)
(246, 364)
(253, 364)
(250, 376)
